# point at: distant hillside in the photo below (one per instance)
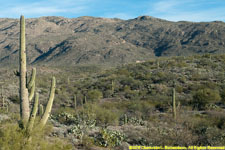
(89, 40)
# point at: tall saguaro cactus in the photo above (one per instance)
(75, 101)
(113, 86)
(27, 90)
(24, 102)
(174, 101)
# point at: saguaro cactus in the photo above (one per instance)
(113, 86)
(85, 99)
(24, 102)
(27, 89)
(125, 119)
(174, 100)
(75, 101)
(157, 64)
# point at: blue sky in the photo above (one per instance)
(173, 10)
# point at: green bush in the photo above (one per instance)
(14, 138)
(205, 96)
(94, 95)
(223, 96)
(131, 94)
(105, 117)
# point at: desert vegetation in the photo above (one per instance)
(134, 104)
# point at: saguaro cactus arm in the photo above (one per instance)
(33, 113)
(41, 110)
(31, 92)
(31, 84)
(32, 79)
(24, 102)
(49, 105)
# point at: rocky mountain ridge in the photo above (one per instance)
(89, 40)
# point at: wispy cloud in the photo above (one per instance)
(50, 7)
(209, 15)
(189, 10)
(165, 6)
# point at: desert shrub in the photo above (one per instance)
(160, 88)
(193, 87)
(222, 94)
(105, 117)
(130, 94)
(143, 76)
(205, 96)
(158, 77)
(211, 85)
(93, 95)
(221, 123)
(173, 135)
(64, 110)
(196, 76)
(107, 93)
(162, 106)
(216, 118)
(66, 118)
(81, 124)
(109, 138)
(182, 64)
(208, 134)
(179, 89)
(42, 82)
(123, 71)
(132, 120)
(182, 79)
(12, 137)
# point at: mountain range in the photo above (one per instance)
(90, 40)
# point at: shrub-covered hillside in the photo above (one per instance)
(96, 108)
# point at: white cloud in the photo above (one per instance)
(210, 15)
(165, 5)
(46, 8)
(188, 10)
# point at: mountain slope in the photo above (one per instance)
(89, 40)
